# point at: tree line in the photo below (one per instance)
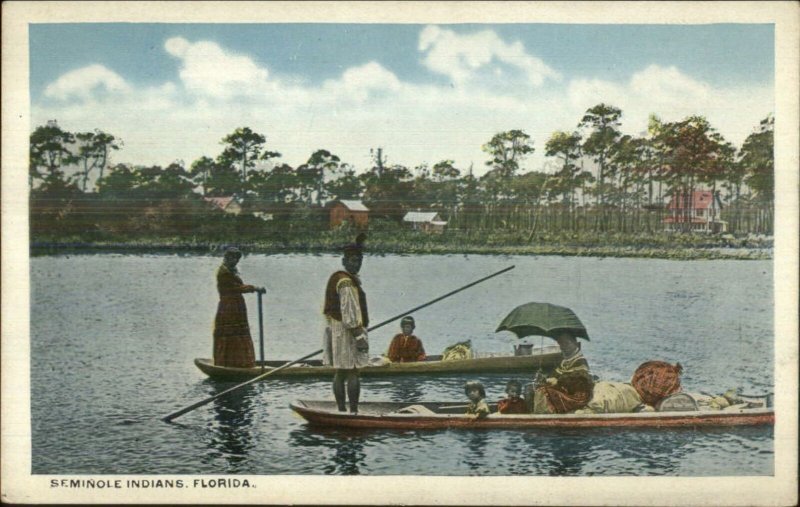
(603, 180)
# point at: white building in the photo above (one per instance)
(427, 221)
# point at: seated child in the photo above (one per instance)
(405, 347)
(514, 404)
(477, 404)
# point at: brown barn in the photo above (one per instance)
(348, 211)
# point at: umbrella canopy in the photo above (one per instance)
(542, 319)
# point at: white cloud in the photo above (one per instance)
(370, 76)
(358, 83)
(84, 82)
(207, 69)
(177, 46)
(459, 57)
(673, 95)
(368, 106)
(668, 84)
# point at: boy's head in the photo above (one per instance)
(513, 389)
(407, 325)
(474, 391)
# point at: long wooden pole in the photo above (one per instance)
(200, 403)
(173, 415)
(476, 282)
(261, 328)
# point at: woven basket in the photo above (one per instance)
(655, 380)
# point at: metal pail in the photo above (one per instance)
(523, 350)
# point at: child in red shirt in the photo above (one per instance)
(514, 404)
(405, 347)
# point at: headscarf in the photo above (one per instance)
(356, 248)
(231, 253)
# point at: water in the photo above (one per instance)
(113, 338)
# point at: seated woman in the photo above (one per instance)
(405, 347)
(571, 387)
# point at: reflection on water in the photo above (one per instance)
(348, 457)
(476, 448)
(566, 456)
(661, 450)
(641, 451)
(397, 390)
(99, 314)
(231, 429)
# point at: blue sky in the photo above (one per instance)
(423, 92)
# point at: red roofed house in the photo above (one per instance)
(702, 213)
(226, 204)
(343, 210)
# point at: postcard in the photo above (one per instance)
(400, 253)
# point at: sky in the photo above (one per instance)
(423, 93)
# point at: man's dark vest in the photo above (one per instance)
(333, 307)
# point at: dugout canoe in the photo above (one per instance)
(450, 415)
(546, 358)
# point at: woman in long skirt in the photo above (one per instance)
(233, 345)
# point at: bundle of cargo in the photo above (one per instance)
(656, 380)
(612, 398)
(652, 383)
(459, 351)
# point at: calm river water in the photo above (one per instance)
(113, 338)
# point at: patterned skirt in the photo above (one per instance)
(571, 393)
(233, 345)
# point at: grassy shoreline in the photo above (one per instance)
(420, 244)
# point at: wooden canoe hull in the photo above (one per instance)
(549, 359)
(384, 416)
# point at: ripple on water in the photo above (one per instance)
(110, 356)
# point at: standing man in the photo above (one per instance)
(345, 342)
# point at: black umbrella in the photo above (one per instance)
(543, 319)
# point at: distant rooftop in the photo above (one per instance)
(701, 199)
(352, 205)
(420, 216)
(220, 202)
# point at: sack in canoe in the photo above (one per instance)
(613, 397)
(459, 351)
(655, 380)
